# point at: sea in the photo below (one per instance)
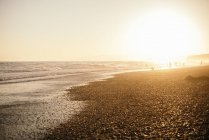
(33, 95)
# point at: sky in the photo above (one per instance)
(97, 30)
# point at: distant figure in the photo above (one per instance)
(152, 68)
(170, 64)
(176, 64)
(146, 65)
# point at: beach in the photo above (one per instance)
(166, 104)
(104, 69)
(33, 94)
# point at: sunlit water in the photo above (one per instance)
(33, 94)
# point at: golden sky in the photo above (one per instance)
(69, 30)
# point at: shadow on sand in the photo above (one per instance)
(197, 79)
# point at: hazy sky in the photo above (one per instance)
(82, 29)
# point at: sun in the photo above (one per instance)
(161, 35)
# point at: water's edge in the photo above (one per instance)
(31, 120)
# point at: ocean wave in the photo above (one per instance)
(29, 79)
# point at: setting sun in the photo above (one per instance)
(104, 69)
(162, 35)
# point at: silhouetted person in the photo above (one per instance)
(170, 64)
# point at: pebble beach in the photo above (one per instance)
(156, 104)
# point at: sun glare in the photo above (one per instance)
(161, 36)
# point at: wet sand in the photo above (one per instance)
(140, 105)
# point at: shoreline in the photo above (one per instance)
(36, 106)
(140, 105)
